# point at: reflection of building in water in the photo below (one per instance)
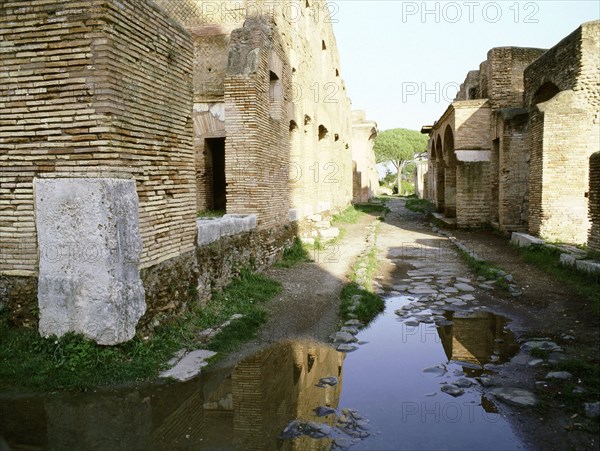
(244, 409)
(476, 337)
(249, 408)
(279, 384)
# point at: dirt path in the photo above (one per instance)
(309, 304)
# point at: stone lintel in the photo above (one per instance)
(473, 156)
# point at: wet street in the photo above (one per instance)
(418, 378)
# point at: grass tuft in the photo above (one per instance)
(369, 307)
(485, 269)
(353, 213)
(296, 253)
(420, 205)
(33, 363)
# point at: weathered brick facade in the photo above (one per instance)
(365, 180)
(594, 200)
(93, 90)
(267, 80)
(533, 146)
(563, 94)
(96, 91)
(205, 105)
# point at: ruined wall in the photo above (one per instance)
(505, 74)
(257, 144)
(94, 90)
(472, 194)
(511, 170)
(469, 89)
(594, 203)
(312, 128)
(366, 181)
(561, 88)
(471, 125)
(321, 156)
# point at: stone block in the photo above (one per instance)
(524, 240)
(90, 247)
(591, 267)
(567, 260)
(209, 231)
(330, 233)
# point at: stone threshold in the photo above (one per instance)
(448, 222)
(212, 229)
(570, 256)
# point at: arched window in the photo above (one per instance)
(545, 93)
(323, 132)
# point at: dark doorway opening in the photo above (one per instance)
(215, 149)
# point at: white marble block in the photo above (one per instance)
(89, 252)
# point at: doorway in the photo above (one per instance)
(215, 153)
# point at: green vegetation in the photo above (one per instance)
(586, 375)
(486, 270)
(296, 253)
(399, 146)
(408, 188)
(370, 305)
(353, 213)
(420, 205)
(210, 213)
(586, 285)
(30, 362)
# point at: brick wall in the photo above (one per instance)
(594, 203)
(471, 124)
(320, 170)
(366, 180)
(505, 74)
(563, 134)
(129, 117)
(512, 171)
(472, 194)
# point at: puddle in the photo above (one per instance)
(378, 397)
(384, 380)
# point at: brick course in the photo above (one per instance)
(96, 89)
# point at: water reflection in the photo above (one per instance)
(246, 408)
(477, 338)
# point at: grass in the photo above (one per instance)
(370, 305)
(485, 269)
(30, 362)
(296, 253)
(420, 205)
(586, 285)
(210, 213)
(353, 213)
(586, 374)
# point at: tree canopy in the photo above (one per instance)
(399, 145)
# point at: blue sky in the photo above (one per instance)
(402, 61)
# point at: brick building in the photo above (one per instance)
(512, 150)
(365, 179)
(120, 121)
